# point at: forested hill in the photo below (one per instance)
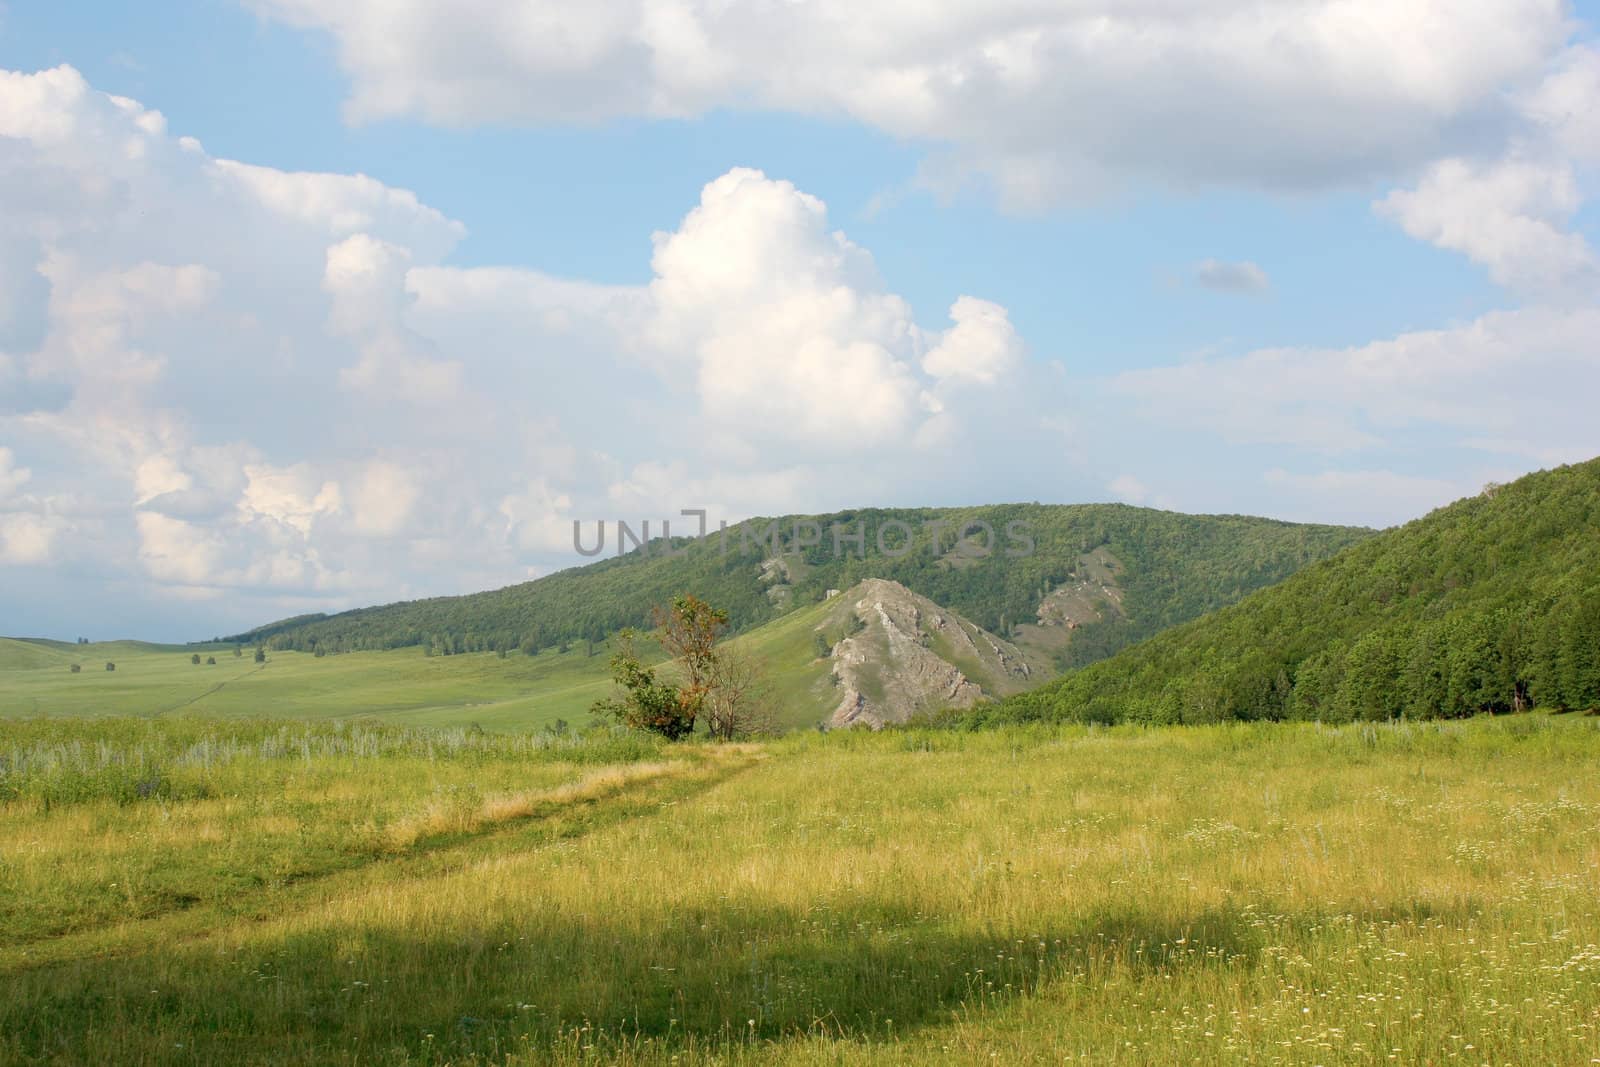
(1491, 604)
(1125, 572)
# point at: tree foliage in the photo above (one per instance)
(646, 702)
(1491, 604)
(717, 684)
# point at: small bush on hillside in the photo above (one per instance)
(647, 703)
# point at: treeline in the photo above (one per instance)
(1176, 567)
(1490, 605)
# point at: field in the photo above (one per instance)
(403, 685)
(190, 890)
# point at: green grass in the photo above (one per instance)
(1249, 893)
(802, 691)
(403, 685)
(120, 819)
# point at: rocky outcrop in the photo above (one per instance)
(908, 655)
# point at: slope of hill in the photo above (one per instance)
(28, 653)
(1094, 579)
(878, 653)
(1491, 604)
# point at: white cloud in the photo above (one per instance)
(384, 499)
(1508, 374)
(12, 477)
(982, 347)
(792, 337)
(267, 385)
(1509, 216)
(366, 279)
(293, 496)
(539, 518)
(347, 205)
(1226, 277)
(1563, 105)
(1046, 98)
(1393, 497)
(180, 552)
(26, 539)
(1127, 488)
(789, 330)
(1510, 205)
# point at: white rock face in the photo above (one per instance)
(913, 656)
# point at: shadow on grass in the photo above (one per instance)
(720, 977)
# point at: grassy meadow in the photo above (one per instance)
(403, 685)
(191, 890)
(514, 693)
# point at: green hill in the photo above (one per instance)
(1097, 578)
(1491, 604)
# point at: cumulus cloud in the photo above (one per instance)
(1510, 216)
(790, 331)
(1510, 206)
(25, 538)
(268, 385)
(982, 347)
(1046, 99)
(1226, 277)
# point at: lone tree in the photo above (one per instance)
(689, 629)
(724, 686)
(195, 659)
(110, 666)
(261, 654)
(77, 668)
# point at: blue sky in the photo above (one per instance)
(1345, 288)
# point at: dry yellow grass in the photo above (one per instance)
(1247, 894)
(464, 812)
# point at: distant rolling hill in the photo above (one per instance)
(876, 635)
(1097, 578)
(1491, 604)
